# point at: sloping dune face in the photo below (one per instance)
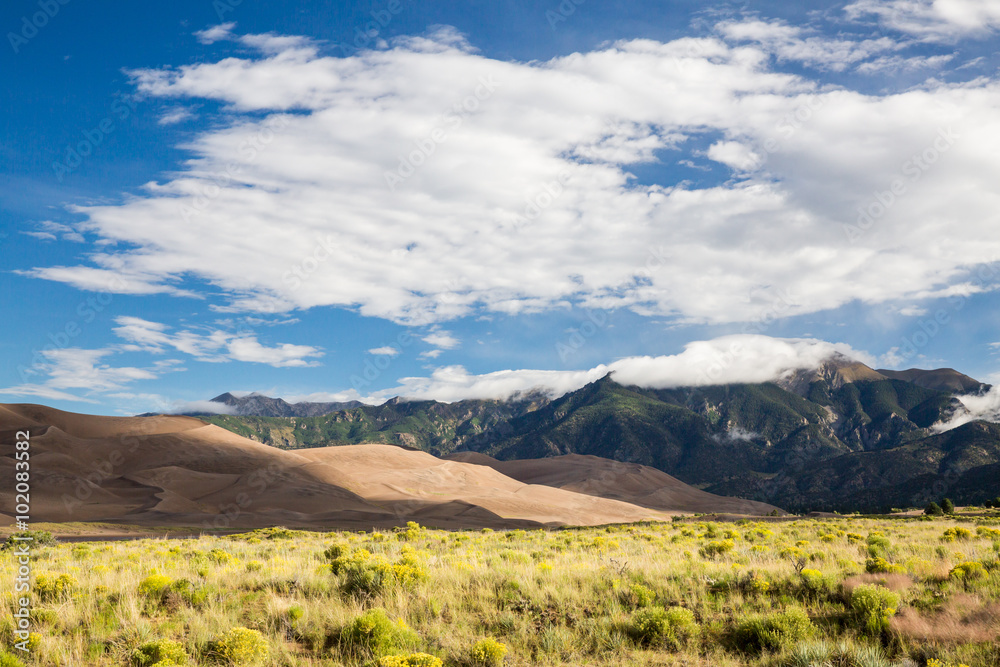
(179, 471)
(629, 482)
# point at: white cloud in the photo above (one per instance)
(442, 339)
(734, 154)
(207, 407)
(52, 231)
(985, 407)
(335, 397)
(388, 351)
(175, 115)
(793, 43)
(214, 346)
(894, 64)
(216, 33)
(78, 369)
(725, 360)
(932, 20)
(525, 202)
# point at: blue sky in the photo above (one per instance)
(343, 200)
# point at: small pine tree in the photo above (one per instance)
(947, 506)
(933, 509)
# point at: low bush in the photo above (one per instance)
(773, 632)
(49, 587)
(411, 660)
(161, 651)
(656, 626)
(873, 606)
(373, 634)
(242, 647)
(488, 653)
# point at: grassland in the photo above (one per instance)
(843, 592)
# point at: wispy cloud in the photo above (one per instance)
(213, 345)
(84, 371)
(932, 20)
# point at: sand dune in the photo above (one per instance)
(629, 482)
(179, 471)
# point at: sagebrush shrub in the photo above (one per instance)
(242, 647)
(488, 653)
(879, 565)
(8, 660)
(158, 652)
(656, 626)
(373, 633)
(774, 632)
(50, 587)
(873, 607)
(154, 586)
(411, 660)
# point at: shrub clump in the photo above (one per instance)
(488, 653)
(656, 626)
(50, 588)
(774, 632)
(957, 533)
(968, 572)
(873, 606)
(879, 565)
(374, 634)
(367, 575)
(155, 586)
(161, 652)
(411, 660)
(636, 596)
(8, 660)
(716, 548)
(242, 646)
(813, 581)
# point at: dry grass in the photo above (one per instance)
(559, 597)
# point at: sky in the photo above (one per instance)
(356, 200)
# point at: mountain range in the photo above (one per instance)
(839, 437)
(179, 471)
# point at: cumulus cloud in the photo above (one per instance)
(213, 346)
(427, 182)
(388, 351)
(932, 20)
